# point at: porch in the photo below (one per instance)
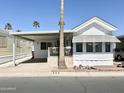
(53, 53)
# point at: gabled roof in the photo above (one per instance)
(98, 21)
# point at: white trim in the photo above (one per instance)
(39, 32)
(14, 51)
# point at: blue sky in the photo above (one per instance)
(21, 13)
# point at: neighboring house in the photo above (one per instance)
(119, 51)
(5, 43)
(23, 47)
(90, 43)
(120, 45)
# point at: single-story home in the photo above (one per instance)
(120, 45)
(119, 51)
(88, 44)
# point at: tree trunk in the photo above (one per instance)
(61, 61)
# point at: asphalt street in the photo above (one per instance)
(62, 85)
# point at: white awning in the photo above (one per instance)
(95, 38)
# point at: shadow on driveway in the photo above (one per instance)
(38, 60)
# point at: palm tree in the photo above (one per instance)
(18, 30)
(8, 26)
(61, 61)
(36, 25)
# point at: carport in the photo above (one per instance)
(40, 38)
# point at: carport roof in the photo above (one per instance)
(38, 32)
(39, 35)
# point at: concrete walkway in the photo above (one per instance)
(43, 70)
(26, 68)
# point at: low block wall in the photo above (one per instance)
(4, 59)
(53, 61)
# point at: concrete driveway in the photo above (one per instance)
(29, 66)
(26, 68)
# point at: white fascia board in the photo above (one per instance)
(97, 21)
(106, 24)
(38, 32)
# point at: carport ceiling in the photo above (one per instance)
(45, 36)
(41, 37)
(52, 35)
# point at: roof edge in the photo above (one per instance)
(95, 18)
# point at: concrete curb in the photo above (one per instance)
(65, 74)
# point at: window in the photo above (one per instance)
(89, 47)
(45, 45)
(107, 47)
(79, 47)
(67, 43)
(49, 44)
(3, 42)
(98, 47)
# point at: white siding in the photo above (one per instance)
(92, 59)
(93, 31)
(38, 53)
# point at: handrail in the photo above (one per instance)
(53, 51)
